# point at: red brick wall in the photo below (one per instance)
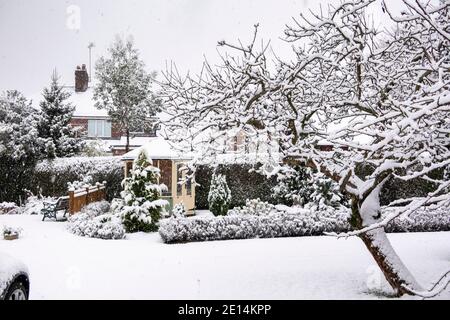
(83, 123)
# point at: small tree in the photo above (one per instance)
(54, 124)
(124, 88)
(142, 197)
(219, 196)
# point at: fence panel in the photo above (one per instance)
(82, 197)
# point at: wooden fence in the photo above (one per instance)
(82, 197)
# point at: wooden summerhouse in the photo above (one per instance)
(169, 162)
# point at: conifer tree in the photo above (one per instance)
(219, 196)
(54, 124)
(142, 197)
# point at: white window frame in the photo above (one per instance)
(100, 128)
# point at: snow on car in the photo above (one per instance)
(14, 281)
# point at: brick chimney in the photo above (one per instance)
(81, 79)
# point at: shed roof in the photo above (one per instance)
(157, 148)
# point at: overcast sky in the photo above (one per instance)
(37, 36)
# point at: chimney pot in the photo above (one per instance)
(81, 79)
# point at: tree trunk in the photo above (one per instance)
(389, 262)
(365, 213)
(127, 146)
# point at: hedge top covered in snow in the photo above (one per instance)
(78, 163)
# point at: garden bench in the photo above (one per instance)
(51, 208)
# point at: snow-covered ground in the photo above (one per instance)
(65, 266)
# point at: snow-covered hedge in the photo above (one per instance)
(282, 221)
(51, 177)
(94, 221)
(272, 224)
(242, 181)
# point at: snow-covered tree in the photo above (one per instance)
(142, 197)
(381, 98)
(124, 88)
(54, 123)
(20, 145)
(219, 196)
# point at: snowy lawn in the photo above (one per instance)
(65, 266)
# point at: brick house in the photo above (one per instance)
(95, 124)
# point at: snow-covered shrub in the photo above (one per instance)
(324, 193)
(178, 210)
(103, 226)
(142, 197)
(254, 207)
(300, 185)
(8, 208)
(51, 177)
(245, 226)
(423, 220)
(219, 196)
(293, 187)
(34, 204)
(289, 222)
(95, 209)
(117, 205)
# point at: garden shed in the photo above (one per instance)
(169, 161)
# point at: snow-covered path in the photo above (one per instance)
(64, 266)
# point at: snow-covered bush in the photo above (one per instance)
(103, 226)
(96, 221)
(51, 177)
(245, 226)
(254, 207)
(95, 209)
(117, 205)
(8, 208)
(34, 204)
(219, 196)
(286, 221)
(141, 195)
(178, 210)
(301, 185)
(425, 219)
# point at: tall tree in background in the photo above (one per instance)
(54, 124)
(124, 88)
(20, 145)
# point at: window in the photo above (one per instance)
(179, 180)
(99, 128)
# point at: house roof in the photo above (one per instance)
(84, 104)
(156, 148)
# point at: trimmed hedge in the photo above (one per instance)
(242, 183)
(286, 224)
(51, 177)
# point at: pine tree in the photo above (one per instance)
(142, 197)
(219, 196)
(55, 118)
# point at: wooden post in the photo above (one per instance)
(71, 201)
